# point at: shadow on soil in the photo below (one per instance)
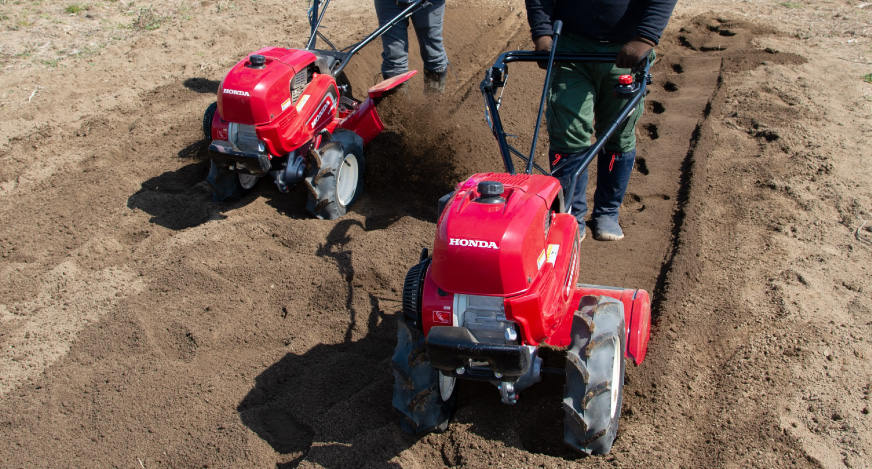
(341, 393)
(534, 424)
(202, 85)
(180, 198)
(336, 393)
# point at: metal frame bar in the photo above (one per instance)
(315, 22)
(495, 78)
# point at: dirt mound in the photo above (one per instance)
(144, 325)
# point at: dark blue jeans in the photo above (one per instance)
(612, 177)
(395, 41)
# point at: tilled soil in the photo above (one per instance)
(143, 325)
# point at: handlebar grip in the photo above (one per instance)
(642, 65)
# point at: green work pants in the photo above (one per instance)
(582, 101)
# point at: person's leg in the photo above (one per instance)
(613, 176)
(569, 119)
(428, 24)
(615, 161)
(577, 203)
(395, 41)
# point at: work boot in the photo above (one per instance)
(606, 228)
(434, 80)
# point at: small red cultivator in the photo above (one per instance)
(501, 285)
(288, 114)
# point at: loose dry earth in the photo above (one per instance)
(143, 325)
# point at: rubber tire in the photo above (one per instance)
(321, 180)
(589, 425)
(247, 181)
(207, 119)
(413, 288)
(416, 385)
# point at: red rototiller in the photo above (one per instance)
(288, 114)
(500, 287)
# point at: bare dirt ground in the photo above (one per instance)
(143, 325)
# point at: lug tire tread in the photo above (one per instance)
(588, 424)
(416, 385)
(323, 171)
(412, 287)
(207, 119)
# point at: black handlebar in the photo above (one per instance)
(495, 78)
(557, 27)
(315, 23)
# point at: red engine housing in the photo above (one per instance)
(263, 97)
(527, 253)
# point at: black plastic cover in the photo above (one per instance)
(257, 164)
(450, 348)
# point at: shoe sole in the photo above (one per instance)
(608, 237)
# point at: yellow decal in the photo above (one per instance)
(302, 102)
(552, 252)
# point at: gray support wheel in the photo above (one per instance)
(424, 396)
(229, 186)
(225, 184)
(592, 395)
(335, 175)
(248, 181)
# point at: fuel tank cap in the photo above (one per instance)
(490, 192)
(257, 61)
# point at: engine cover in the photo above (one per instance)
(494, 249)
(518, 249)
(286, 101)
(257, 95)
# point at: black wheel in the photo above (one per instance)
(424, 396)
(335, 176)
(207, 119)
(412, 289)
(593, 394)
(229, 186)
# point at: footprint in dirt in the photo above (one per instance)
(655, 107)
(642, 165)
(709, 33)
(651, 131)
(633, 202)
